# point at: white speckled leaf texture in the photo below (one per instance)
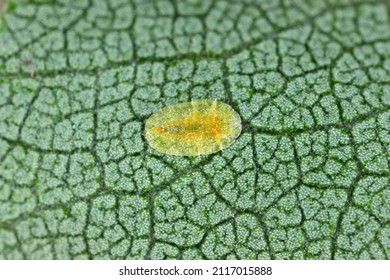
(308, 178)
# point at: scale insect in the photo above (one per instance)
(200, 127)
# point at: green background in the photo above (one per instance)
(307, 179)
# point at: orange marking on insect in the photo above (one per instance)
(160, 130)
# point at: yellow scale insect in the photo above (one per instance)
(200, 127)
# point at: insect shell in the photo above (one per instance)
(200, 127)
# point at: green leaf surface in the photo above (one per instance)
(308, 178)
